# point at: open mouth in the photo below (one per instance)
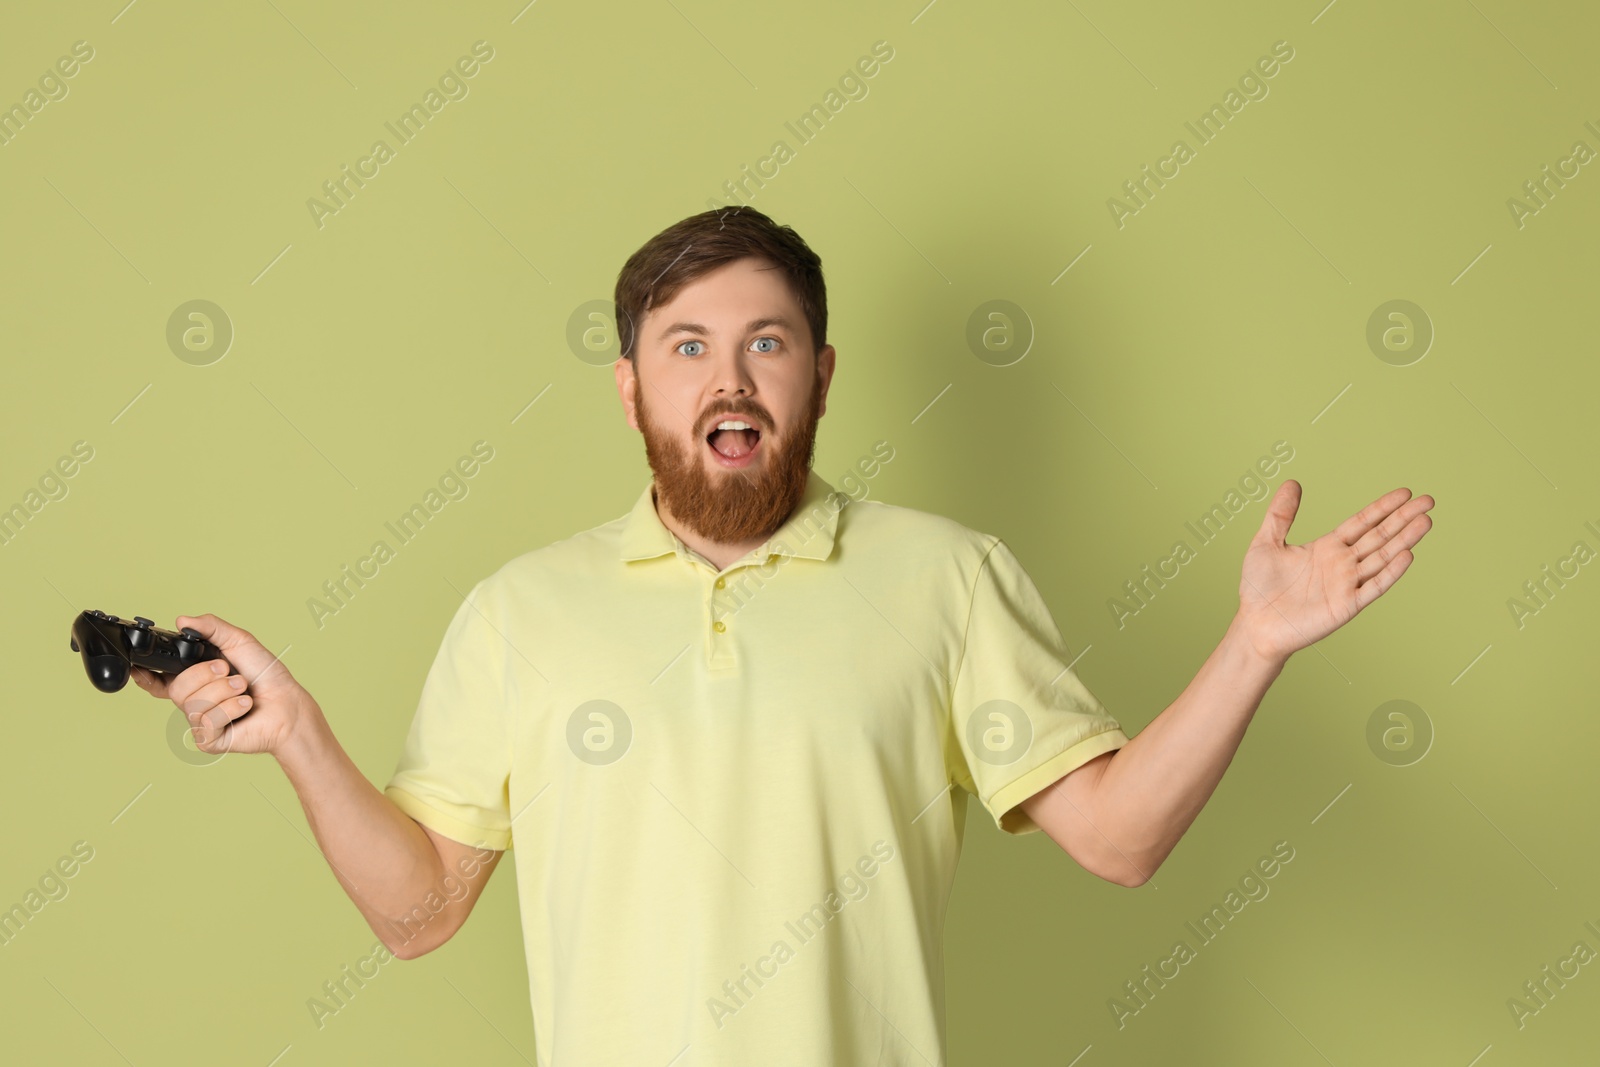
(734, 447)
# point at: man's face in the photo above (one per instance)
(713, 354)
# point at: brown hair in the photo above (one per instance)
(700, 244)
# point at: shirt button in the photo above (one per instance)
(721, 583)
(719, 626)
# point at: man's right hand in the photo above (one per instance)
(216, 693)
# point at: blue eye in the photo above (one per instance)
(773, 341)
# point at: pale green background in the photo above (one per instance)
(1225, 316)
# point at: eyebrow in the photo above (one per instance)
(754, 324)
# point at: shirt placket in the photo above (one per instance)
(719, 624)
(716, 609)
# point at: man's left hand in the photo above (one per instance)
(1291, 596)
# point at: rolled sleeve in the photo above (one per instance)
(1021, 718)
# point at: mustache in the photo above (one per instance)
(751, 415)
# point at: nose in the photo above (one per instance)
(730, 376)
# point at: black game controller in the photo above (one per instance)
(111, 646)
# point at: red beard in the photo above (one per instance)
(731, 505)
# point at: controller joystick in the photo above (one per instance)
(111, 647)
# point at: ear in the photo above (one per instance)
(627, 383)
(825, 362)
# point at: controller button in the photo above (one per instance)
(190, 631)
(142, 622)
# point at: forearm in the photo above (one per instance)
(1156, 784)
(382, 858)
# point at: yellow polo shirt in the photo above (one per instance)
(738, 796)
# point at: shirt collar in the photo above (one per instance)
(808, 532)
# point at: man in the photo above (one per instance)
(734, 730)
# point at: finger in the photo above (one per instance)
(191, 680)
(1375, 561)
(210, 723)
(1383, 581)
(1380, 535)
(151, 682)
(1352, 528)
(224, 744)
(211, 694)
(219, 745)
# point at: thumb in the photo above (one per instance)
(241, 648)
(218, 631)
(1281, 510)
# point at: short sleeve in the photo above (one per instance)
(454, 771)
(1020, 717)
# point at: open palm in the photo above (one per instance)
(1291, 596)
